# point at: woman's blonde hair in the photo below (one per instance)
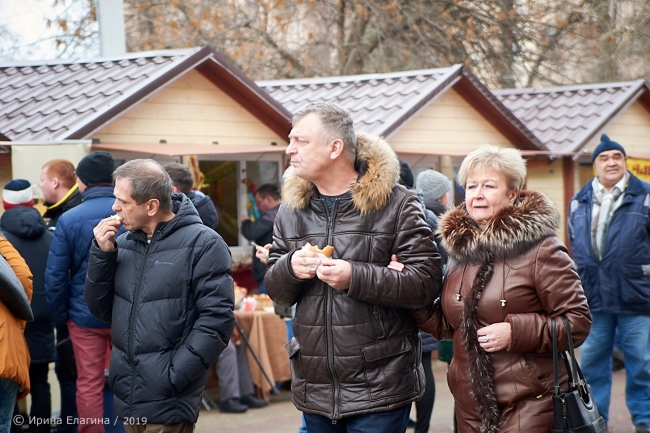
(504, 160)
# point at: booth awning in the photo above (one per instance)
(178, 149)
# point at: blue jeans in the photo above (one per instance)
(596, 361)
(8, 394)
(394, 421)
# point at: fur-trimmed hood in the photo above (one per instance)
(378, 169)
(512, 231)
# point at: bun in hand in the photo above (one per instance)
(327, 251)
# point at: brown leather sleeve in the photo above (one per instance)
(420, 282)
(560, 291)
(431, 320)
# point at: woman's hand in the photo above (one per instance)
(495, 337)
(395, 264)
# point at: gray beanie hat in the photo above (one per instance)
(432, 184)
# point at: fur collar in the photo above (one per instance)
(378, 169)
(513, 231)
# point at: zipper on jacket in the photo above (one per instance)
(134, 308)
(328, 321)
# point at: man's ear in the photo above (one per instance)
(337, 148)
(174, 189)
(55, 182)
(153, 206)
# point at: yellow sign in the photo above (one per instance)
(640, 168)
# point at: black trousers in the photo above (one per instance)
(424, 407)
(41, 407)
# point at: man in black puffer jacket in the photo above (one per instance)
(166, 288)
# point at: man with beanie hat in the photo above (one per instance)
(609, 232)
(64, 283)
(435, 188)
(24, 227)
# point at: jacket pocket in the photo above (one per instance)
(383, 360)
(520, 379)
(635, 287)
(298, 380)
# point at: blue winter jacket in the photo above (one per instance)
(620, 282)
(67, 262)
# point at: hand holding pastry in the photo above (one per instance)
(306, 260)
(304, 263)
(105, 232)
(335, 272)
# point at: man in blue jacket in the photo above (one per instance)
(609, 231)
(166, 288)
(64, 284)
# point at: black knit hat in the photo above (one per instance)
(605, 145)
(96, 168)
(405, 174)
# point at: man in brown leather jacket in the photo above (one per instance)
(355, 356)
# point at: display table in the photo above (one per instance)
(267, 334)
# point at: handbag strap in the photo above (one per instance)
(572, 368)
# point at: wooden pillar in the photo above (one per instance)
(568, 181)
(446, 167)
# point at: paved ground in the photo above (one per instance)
(282, 417)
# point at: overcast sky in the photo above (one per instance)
(27, 19)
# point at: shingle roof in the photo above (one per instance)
(382, 103)
(66, 99)
(567, 118)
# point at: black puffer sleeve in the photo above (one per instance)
(99, 288)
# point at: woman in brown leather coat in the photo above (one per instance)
(508, 275)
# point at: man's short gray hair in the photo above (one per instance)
(505, 160)
(148, 181)
(337, 124)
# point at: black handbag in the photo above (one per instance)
(574, 410)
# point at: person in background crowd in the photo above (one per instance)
(236, 391)
(343, 192)
(14, 353)
(60, 194)
(435, 188)
(24, 227)
(166, 288)
(609, 232)
(508, 276)
(60, 190)
(64, 284)
(260, 231)
(424, 406)
(183, 182)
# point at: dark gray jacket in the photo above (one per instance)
(170, 307)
